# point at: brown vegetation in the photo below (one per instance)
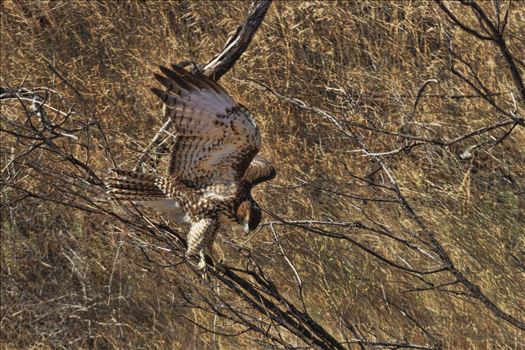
(397, 217)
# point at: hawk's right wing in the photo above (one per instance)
(260, 170)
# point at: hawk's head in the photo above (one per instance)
(249, 215)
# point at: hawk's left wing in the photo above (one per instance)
(216, 137)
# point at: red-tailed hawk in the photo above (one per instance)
(213, 165)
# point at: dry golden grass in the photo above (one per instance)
(71, 279)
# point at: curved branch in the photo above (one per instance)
(238, 42)
(222, 62)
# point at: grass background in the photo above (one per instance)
(71, 279)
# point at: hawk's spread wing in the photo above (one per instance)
(216, 137)
(260, 170)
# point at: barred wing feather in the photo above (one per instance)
(216, 137)
(260, 170)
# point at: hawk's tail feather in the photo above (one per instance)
(135, 186)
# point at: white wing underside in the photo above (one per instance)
(167, 206)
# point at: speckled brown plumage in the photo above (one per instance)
(212, 167)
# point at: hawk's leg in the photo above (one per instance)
(217, 264)
(202, 261)
(200, 239)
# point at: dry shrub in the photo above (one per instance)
(75, 279)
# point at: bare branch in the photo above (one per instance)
(222, 62)
(238, 42)
(475, 291)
